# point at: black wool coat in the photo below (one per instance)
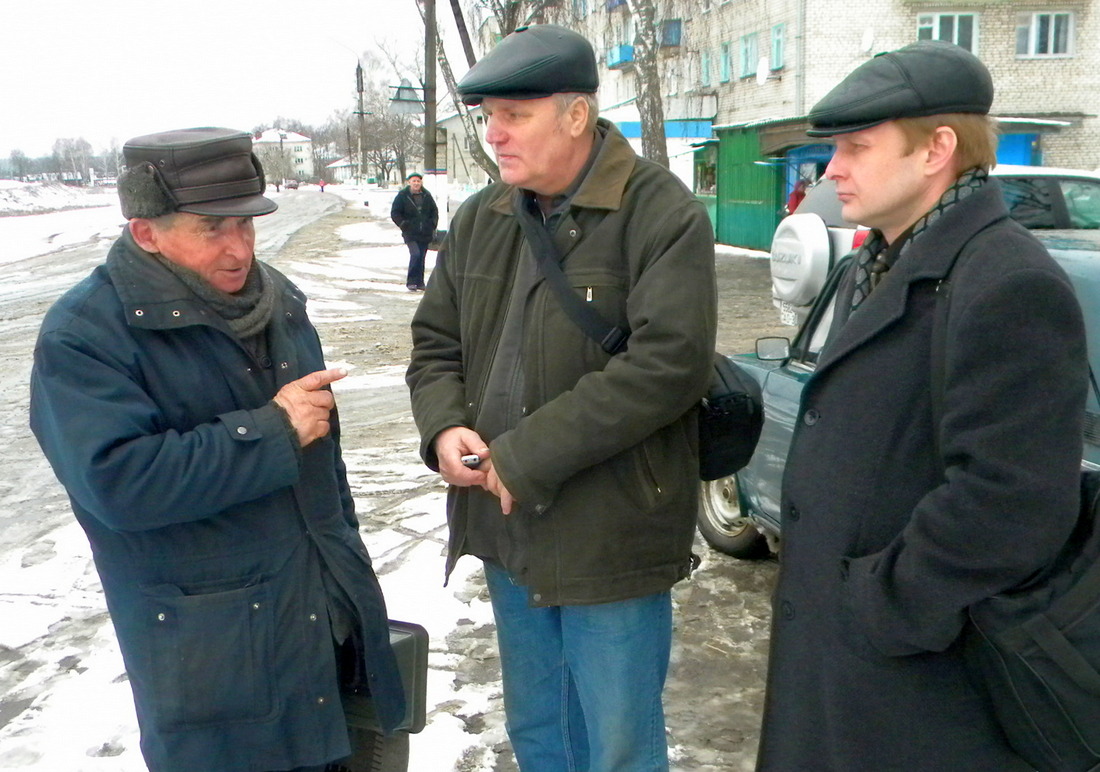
(882, 551)
(417, 223)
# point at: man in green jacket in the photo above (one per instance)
(582, 500)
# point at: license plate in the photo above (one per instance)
(787, 314)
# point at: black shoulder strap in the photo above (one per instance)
(611, 338)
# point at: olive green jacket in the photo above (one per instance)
(605, 460)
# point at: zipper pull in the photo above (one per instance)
(588, 295)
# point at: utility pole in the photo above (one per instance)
(359, 112)
(430, 164)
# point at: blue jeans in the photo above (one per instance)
(582, 684)
(418, 250)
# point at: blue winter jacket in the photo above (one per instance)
(207, 526)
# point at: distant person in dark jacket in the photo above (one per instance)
(181, 396)
(415, 213)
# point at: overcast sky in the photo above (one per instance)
(103, 69)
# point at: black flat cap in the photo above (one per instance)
(206, 171)
(531, 63)
(929, 77)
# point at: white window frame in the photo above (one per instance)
(725, 63)
(1028, 24)
(750, 54)
(779, 45)
(704, 68)
(931, 22)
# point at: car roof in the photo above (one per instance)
(1012, 170)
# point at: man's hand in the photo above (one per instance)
(308, 404)
(496, 487)
(454, 443)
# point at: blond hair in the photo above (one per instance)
(976, 137)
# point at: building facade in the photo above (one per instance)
(286, 155)
(739, 76)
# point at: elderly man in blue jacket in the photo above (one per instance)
(181, 396)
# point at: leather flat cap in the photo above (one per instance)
(531, 63)
(206, 171)
(930, 77)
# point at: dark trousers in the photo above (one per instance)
(417, 251)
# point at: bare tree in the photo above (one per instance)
(20, 164)
(647, 79)
(72, 156)
(277, 162)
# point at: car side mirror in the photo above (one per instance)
(773, 349)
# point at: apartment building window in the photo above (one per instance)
(750, 52)
(958, 28)
(1044, 34)
(704, 68)
(779, 34)
(724, 65)
(580, 8)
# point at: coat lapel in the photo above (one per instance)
(928, 259)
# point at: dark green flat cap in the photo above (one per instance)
(531, 63)
(929, 77)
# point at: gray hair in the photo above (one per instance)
(566, 98)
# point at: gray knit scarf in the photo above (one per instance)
(248, 311)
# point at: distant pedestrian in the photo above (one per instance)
(797, 194)
(322, 184)
(415, 213)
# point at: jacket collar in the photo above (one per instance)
(154, 298)
(929, 258)
(604, 185)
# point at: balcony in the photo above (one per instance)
(620, 57)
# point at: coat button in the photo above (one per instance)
(161, 617)
(242, 430)
(320, 700)
(787, 609)
(811, 417)
(537, 596)
(792, 513)
(312, 617)
(265, 362)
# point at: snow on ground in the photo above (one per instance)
(79, 717)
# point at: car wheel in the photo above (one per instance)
(722, 525)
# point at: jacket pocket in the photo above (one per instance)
(211, 653)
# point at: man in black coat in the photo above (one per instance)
(894, 524)
(415, 213)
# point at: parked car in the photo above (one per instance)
(291, 184)
(809, 242)
(739, 515)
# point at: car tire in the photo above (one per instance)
(722, 525)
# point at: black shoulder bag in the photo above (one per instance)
(731, 415)
(1036, 648)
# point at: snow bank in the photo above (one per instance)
(38, 197)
